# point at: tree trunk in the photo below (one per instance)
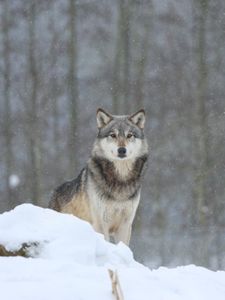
(126, 52)
(7, 104)
(122, 60)
(53, 93)
(34, 134)
(201, 115)
(72, 85)
(142, 63)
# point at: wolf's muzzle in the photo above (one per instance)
(122, 152)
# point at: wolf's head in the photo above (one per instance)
(120, 137)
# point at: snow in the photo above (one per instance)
(14, 181)
(72, 262)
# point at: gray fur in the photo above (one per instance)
(107, 191)
(122, 124)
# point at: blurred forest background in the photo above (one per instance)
(62, 59)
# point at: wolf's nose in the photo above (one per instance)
(122, 152)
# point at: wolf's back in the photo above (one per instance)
(64, 193)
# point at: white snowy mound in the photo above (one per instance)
(72, 262)
(60, 236)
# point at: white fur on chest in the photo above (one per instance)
(123, 168)
(112, 211)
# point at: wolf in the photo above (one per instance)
(107, 191)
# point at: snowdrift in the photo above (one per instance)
(68, 260)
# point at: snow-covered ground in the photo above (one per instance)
(71, 261)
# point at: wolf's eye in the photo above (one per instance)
(113, 135)
(129, 135)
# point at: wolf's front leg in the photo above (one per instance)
(123, 234)
(102, 227)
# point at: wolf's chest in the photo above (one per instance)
(114, 211)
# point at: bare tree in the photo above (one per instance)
(201, 113)
(73, 93)
(122, 59)
(33, 137)
(53, 88)
(7, 99)
(140, 76)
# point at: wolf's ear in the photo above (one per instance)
(138, 118)
(103, 118)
